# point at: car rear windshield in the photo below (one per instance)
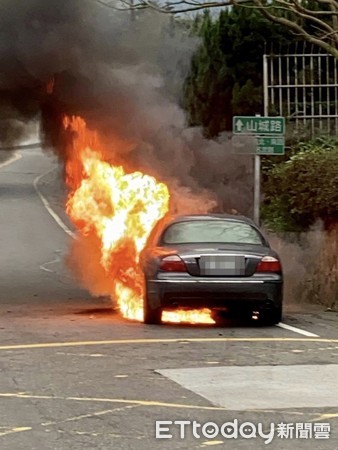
(208, 231)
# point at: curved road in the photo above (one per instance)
(74, 375)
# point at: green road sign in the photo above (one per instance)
(269, 145)
(258, 125)
(258, 145)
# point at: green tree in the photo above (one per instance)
(207, 90)
(226, 71)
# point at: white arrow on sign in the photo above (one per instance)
(239, 125)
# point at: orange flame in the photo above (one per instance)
(121, 209)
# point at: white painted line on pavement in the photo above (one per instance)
(43, 266)
(296, 330)
(14, 158)
(280, 387)
(46, 204)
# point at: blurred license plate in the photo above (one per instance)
(222, 265)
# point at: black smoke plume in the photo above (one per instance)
(122, 74)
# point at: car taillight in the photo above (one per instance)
(269, 264)
(172, 263)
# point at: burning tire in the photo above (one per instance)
(151, 316)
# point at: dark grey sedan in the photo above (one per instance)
(221, 262)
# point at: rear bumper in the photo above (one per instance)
(190, 292)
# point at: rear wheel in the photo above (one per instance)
(272, 317)
(151, 316)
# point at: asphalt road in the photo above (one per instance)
(75, 375)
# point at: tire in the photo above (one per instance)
(272, 317)
(151, 316)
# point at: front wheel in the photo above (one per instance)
(151, 316)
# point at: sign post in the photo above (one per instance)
(268, 135)
(257, 188)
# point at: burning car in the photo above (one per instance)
(211, 261)
(156, 267)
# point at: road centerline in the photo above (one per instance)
(162, 340)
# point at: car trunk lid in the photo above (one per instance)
(220, 260)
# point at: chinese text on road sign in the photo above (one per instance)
(268, 145)
(258, 125)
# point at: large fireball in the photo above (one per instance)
(120, 209)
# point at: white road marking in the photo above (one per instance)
(207, 443)
(11, 160)
(296, 330)
(270, 387)
(48, 207)
(43, 266)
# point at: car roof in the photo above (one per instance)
(169, 220)
(211, 216)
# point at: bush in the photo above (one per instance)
(304, 189)
(310, 265)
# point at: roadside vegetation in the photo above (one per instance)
(303, 189)
(226, 73)
(300, 189)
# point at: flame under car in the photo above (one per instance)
(221, 262)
